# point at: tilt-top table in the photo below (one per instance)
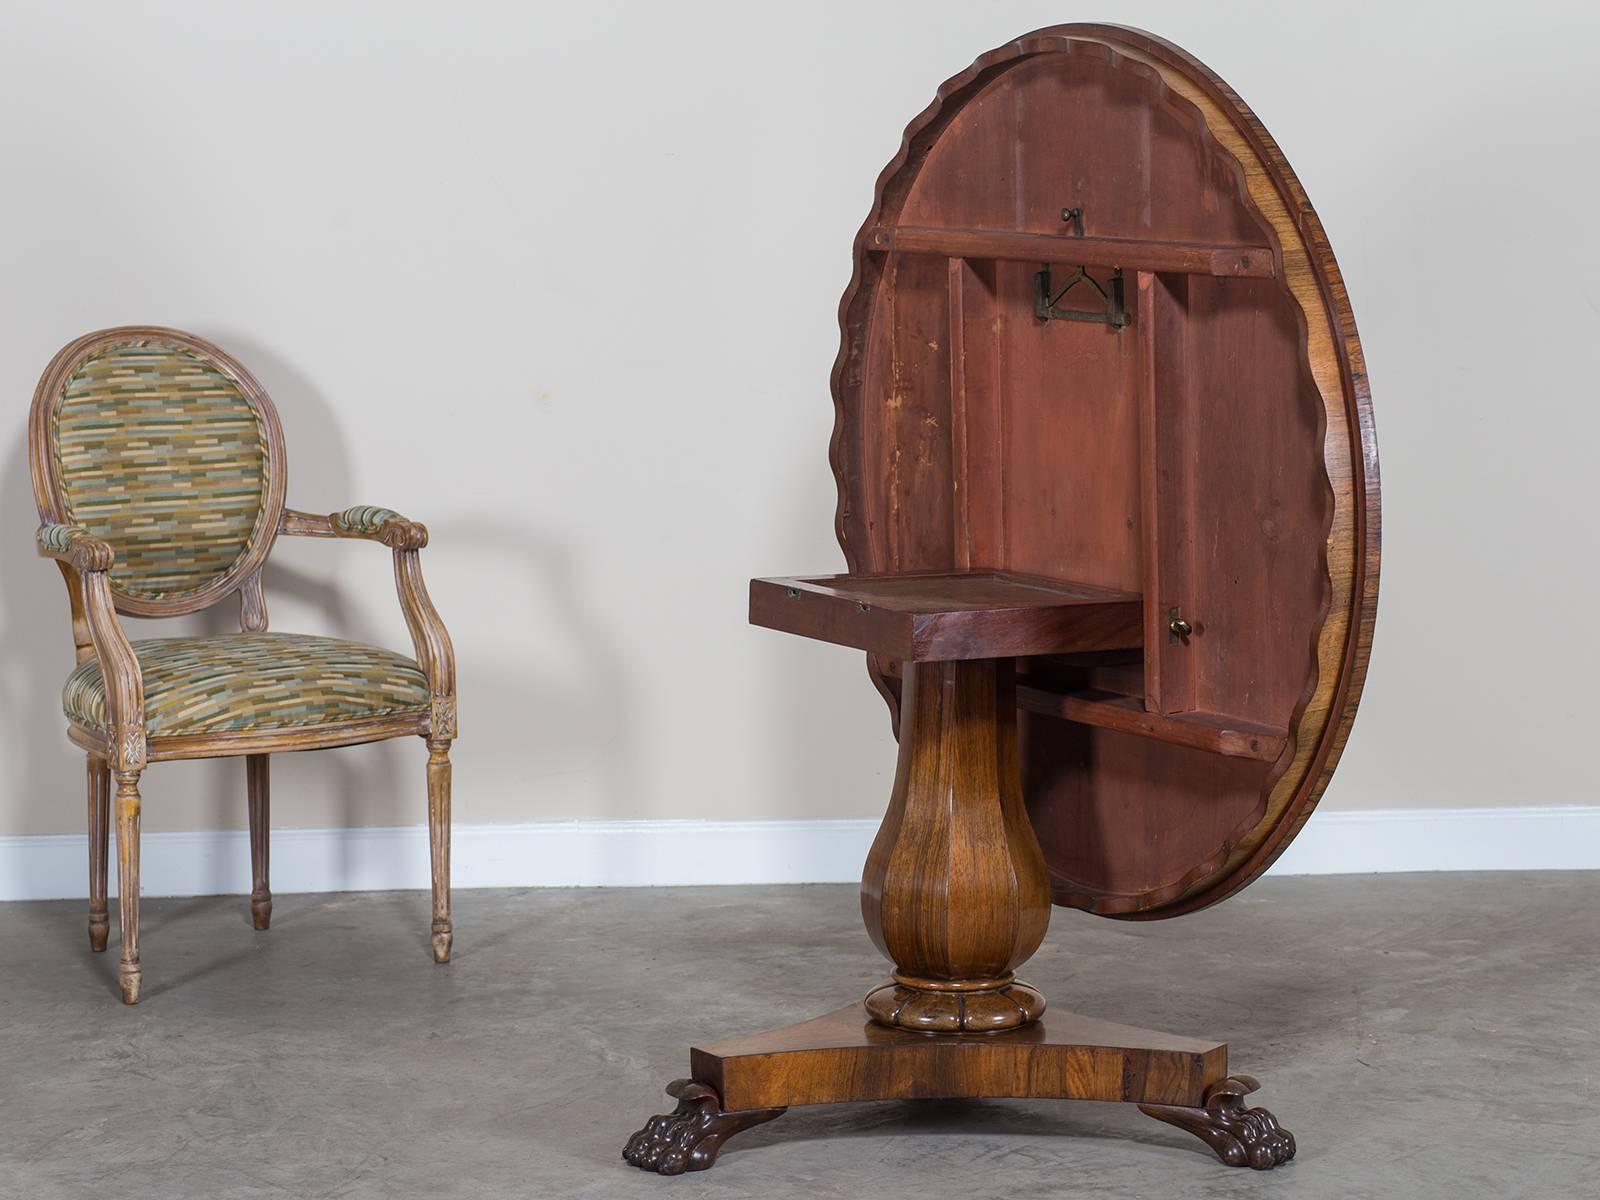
(1108, 496)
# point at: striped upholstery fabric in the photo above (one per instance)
(364, 518)
(245, 681)
(59, 538)
(161, 454)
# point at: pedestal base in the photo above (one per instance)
(845, 1057)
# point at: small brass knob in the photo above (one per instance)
(1178, 627)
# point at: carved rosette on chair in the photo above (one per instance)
(1108, 498)
(158, 468)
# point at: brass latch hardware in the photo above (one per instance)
(1045, 297)
(1044, 302)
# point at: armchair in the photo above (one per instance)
(158, 468)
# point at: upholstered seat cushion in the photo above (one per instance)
(246, 681)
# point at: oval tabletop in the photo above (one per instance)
(1096, 335)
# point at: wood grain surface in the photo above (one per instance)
(843, 1056)
(1216, 458)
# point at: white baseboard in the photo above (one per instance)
(1548, 838)
(671, 853)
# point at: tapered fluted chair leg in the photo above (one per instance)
(130, 974)
(257, 783)
(99, 831)
(439, 844)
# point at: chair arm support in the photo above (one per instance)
(85, 561)
(435, 653)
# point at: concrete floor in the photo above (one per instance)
(1424, 1036)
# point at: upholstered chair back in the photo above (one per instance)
(164, 446)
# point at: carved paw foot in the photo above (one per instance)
(689, 1137)
(1241, 1136)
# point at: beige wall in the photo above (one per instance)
(561, 280)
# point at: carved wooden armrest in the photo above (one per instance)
(76, 546)
(85, 561)
(435, 654)
(364, 522)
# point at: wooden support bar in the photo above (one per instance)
(976, 416)
(1211, 732)
(1155, 629)
(1132, 254)
(1166, 497)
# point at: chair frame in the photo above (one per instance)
(122, 752)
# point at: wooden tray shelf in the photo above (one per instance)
(950, 615)
(1131, 254)
(1123, 712)
(1212, 732)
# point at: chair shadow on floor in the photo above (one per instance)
(57, 927)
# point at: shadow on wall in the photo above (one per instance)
(517, 726)
(517, 722)
(814, 729)
(346, 778)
